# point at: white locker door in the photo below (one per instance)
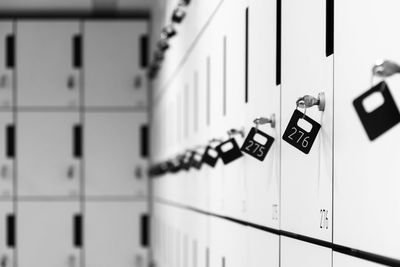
(113, 236)
(263, 178)
(7, 233)
(306, 179)
(114, 76)
(262, 249)
(342, 260)
(48, 154)
(366, 172)
(48, 63)
(7, 154)
(7, 63)
(49, 234)
(295, 253)
(115, 165)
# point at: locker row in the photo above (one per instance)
(189, 239)
(56, 234)
(55, 154)
(72, 63)
(344, 190)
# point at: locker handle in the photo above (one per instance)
(77, 231)
(10, 51)
(10, 235)
(77, 141)
(144, 141)
(10, 141)
(144, 230)
(144, 51)
(77, 51)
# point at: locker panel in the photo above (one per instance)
(113, 164)
(295, 253)
(366, 172)
(48, 164)
(46, 234)
(7, 232)
(306, 179)
(262, 248)
(7, 148)
(342, 260)
(7, 63)
(47, 74)
(116, 223)
(263, 100)
(113, 74)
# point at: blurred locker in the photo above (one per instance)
(262, 248)
(342, 260)
(116, 154)
(307, 70)
(49, 234)
(295, 253)
(115, 58)
(7, 148)
(48, 59)
(366, 172)
(49, 153)
(7, 63)
(263, 101)
(114, 234)
(7, 234)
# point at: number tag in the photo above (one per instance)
(297, 136)
(254, 146)
(229, 151)
(195, 160)
(382, 118)
(185, 162)
(210, 156)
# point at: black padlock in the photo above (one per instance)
(299, 137)
(254, 146)
(229, 151)
(382, 118)
(210, 156)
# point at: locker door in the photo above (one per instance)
(7, 63)
(115, 165)
(295, 253)
(306, 179)
(48, 154)
(7, 233)
(114, 76)
(342, 260)
(116, 224)
(262, 248)
(263, 178)
(48, 63)
(49, 234)
(7, 148)
(366, 172)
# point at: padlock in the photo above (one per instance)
(255, 146)
(229, 151)
(383, 117)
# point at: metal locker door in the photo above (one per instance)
(48, 154)
(366, 172)
(342, 260)
(48, 63)
(114, 76)
(7, 148)
(307, 69)
(7, 64)
(263, 100)
(295, 253)
(262, 248)
(114, 162)
(49, 234)
(7, 233)
(113, 236)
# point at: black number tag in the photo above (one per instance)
(184, 162)
(229, 151)
(257, 144)
(383, 117)
(210, 156)
(195, 160)
(299, 137)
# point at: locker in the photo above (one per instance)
(114, 75)
(48, 63)
(115, 165)
(49, 234)
(48, 154)
(262, 249)
(342, 260)
(306, 179)
(366, 172)
(7, 63)
(7, 224)
(118, 224)
(295, 253)
(7, 148)
(263, 100)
